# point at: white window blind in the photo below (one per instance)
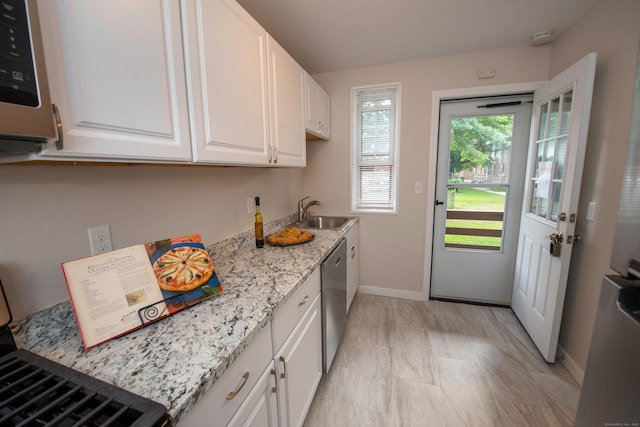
(375, 162)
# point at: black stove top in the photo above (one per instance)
(35, 391)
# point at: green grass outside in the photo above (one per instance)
(475, 200)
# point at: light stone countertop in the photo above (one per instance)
(177, 359)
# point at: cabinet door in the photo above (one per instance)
(221, 402)
(116, 73)
(312, 102)
(286, 88)
(299, 366)
(227, 79)
(325, 117)
(317, 110)
(352, 264)
(260, 407)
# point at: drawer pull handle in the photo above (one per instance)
(60, 141)
(234, 393)
(304, 301)
(274, 389)
(284, 367)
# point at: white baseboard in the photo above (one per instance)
(571, 365)
(393, 293)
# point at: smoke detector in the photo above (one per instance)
(542, 37)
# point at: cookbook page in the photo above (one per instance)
(107, 291)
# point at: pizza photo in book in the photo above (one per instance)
(120, 291)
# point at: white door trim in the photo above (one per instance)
(440, 95)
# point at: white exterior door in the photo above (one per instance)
(479, 197)
(554, 173)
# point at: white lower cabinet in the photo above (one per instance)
(352, 264)
(299, 368)
(297, 346)
(273, 381)
(221, 402)
(260, 408)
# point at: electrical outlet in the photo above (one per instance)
(251, 207)
(100, 239)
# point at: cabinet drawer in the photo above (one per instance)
(288, 316)
(214, 408)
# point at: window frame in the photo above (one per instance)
(372, 207)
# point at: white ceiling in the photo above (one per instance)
(332, 35)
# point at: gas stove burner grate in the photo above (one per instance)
(35, 391)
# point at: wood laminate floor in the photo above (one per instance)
(413, 363)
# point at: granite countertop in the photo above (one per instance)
(176, 360)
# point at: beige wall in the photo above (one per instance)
(45, 212)
(612, 29)
(392, 247)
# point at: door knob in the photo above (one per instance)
(577, 238)
(556, 237)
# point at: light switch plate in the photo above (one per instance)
(417, 187)
(591, 211)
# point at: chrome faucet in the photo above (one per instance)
(302, 208)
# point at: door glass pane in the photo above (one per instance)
(475, 217)
(561, 158)
(539, 159)
(544, 203)
(479, 166)
(555, 200)
(543, 121)
(565, 114)
(550, 151)
(534, 199)
(553, 116)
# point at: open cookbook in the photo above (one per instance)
(117, 292)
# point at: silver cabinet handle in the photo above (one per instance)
(60, 141)
(274, 389)
(284, 367)
(275, 150)
(234, 393)
(270, 152)
(304, 301)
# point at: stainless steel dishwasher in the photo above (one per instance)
(334, 302)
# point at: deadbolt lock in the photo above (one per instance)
(562, 216)
(555, 246)
(556, 237)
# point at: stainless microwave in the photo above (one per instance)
(27, 116)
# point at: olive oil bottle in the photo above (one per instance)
(258, 225)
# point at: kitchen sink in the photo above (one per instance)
(322, 222)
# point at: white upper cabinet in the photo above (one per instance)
(317, 110)
(171, 82)
(227, 79)
(116, 71)
(286, 90)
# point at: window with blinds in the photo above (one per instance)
(375, 149)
